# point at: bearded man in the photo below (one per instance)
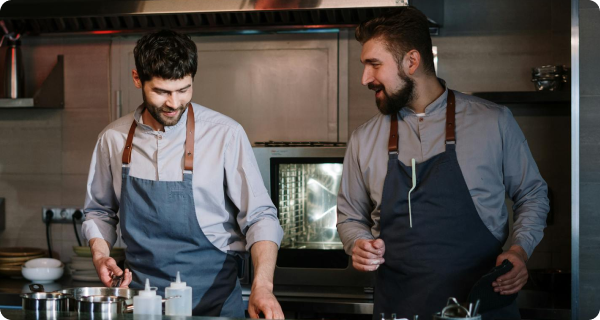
(424, 182)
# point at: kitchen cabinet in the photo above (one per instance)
(277, 86)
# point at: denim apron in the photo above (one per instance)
(162, 234)
(448, 247)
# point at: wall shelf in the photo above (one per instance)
(50, 95)
(525, 97)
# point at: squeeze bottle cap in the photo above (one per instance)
(178, 284)
(148, 291)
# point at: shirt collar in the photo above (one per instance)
(437, 105)
(137, 116)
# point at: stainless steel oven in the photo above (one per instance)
(303, 180)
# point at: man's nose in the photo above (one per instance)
(367, 76)
(171, 101)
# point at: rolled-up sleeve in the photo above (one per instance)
(353, 203)
(257, 217)
(101, 203)
(525, 186)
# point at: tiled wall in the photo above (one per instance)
(492, 46)
(589, 159)
(45, 154)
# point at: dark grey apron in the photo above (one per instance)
(162, 234)
(448, 247)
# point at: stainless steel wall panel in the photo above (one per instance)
(588, 37)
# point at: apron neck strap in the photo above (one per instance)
(393, 143)
(450, 115)
(190, 131)
(189, 141)
(450, 125)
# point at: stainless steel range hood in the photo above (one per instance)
(94, 16)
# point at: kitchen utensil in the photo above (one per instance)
(10, 271)
(42, 274)
(483, 290)
(13, 70)
(105, 305)
(84, 251)
(20, 252)
(78, 293)
(38, 300)
(549, 78)
(116, 280)
(453, 310)
(85, 275)
(43, 263)
(21, 259)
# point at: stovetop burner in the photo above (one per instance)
(299, 144)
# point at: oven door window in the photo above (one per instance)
(306, 198)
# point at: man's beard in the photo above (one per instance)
(392, 103)
(156, 113)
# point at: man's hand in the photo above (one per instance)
(512, 281)
(367, 254)
(106, 266)
(263, 301)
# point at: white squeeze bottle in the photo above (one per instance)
(178, 306)
(147, 302)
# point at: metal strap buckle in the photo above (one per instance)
(450, 142)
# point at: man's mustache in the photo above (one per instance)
(375, 87)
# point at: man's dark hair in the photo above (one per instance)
(165, 54)
(402, 29)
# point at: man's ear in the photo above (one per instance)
(412, 61)
(136, 79)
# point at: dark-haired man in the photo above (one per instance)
(183, 183)
(424, 182)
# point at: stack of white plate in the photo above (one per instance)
(82, 267)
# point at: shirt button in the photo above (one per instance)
(420, 119)
(159, 137)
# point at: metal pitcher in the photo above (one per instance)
(14, 78)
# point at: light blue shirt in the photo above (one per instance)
(493, 156)
(233, 207)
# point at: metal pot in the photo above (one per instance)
(45, 301)
(104, 307)
(81, 292)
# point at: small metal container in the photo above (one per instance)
(104, 307)
(46, 305)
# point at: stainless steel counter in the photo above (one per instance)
(296, 301)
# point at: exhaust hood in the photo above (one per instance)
(122, 16)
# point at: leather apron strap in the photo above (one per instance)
(450, 124)
(189, 141)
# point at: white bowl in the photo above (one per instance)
(42, 275)
(44, 263)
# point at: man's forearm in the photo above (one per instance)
(264, 257)
(99, 247)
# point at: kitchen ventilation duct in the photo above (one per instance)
(94, 16)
